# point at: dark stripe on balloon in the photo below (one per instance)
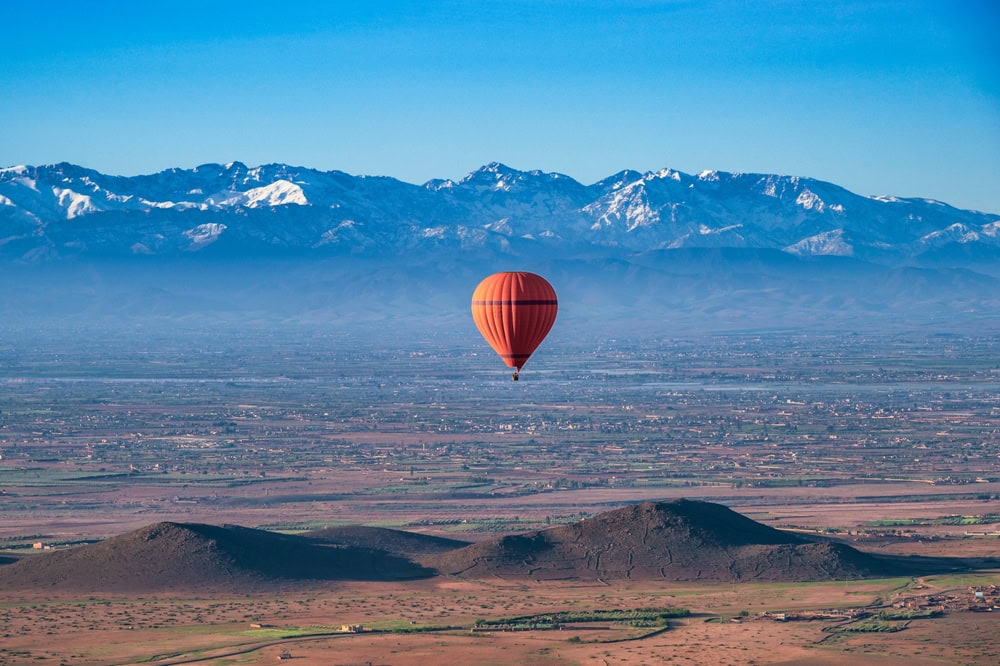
(525, 302)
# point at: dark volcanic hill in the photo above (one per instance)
(396, 542)
(678, 540)
(174, 557)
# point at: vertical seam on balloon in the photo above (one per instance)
(499, 317)
(531, 321)
(529, 335)
(486, 315)
(507, 293)
(499, 312)
(492, 320)
(540, 316)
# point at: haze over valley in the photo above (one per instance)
(648, 252)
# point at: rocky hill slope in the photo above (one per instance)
(188, 556)
(679, 540)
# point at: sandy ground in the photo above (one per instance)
(39, 629)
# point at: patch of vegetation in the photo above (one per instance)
(489, 525)
(984, 519)
(874, 625)
(897, 522)
(964, 579)
(295, 527)
(640, 618)
(906, 614)
(401, 627)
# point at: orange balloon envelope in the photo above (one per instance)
(514, 312)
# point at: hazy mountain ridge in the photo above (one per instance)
(279, 243)
(66, 210)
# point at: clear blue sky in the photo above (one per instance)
(893, 97)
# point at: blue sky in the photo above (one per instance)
(890, 97)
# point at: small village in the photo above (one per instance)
(978, 599)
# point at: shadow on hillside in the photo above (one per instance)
(921, 565)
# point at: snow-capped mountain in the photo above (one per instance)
(277, 240)
(66, 210)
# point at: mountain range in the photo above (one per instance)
(65, 210)
(714, 246)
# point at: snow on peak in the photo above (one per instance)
(501, 175)
(665, 173)
(278, 193)
(630, 204)
(706, 230)
(205, 234)
(438, 184)
(808, 200)
(709, 174)
(334, 236)
(501, 226)
(74, 203)
(828, 243)
(179, 205)
(18, 170)
(769, 186)
(956, 232)
(25, 181)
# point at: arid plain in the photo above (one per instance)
(885, 443)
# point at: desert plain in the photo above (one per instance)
(885, 444)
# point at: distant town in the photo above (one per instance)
(295, 426)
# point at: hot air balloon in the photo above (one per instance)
(514, 311)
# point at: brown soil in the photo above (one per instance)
(66, 628)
